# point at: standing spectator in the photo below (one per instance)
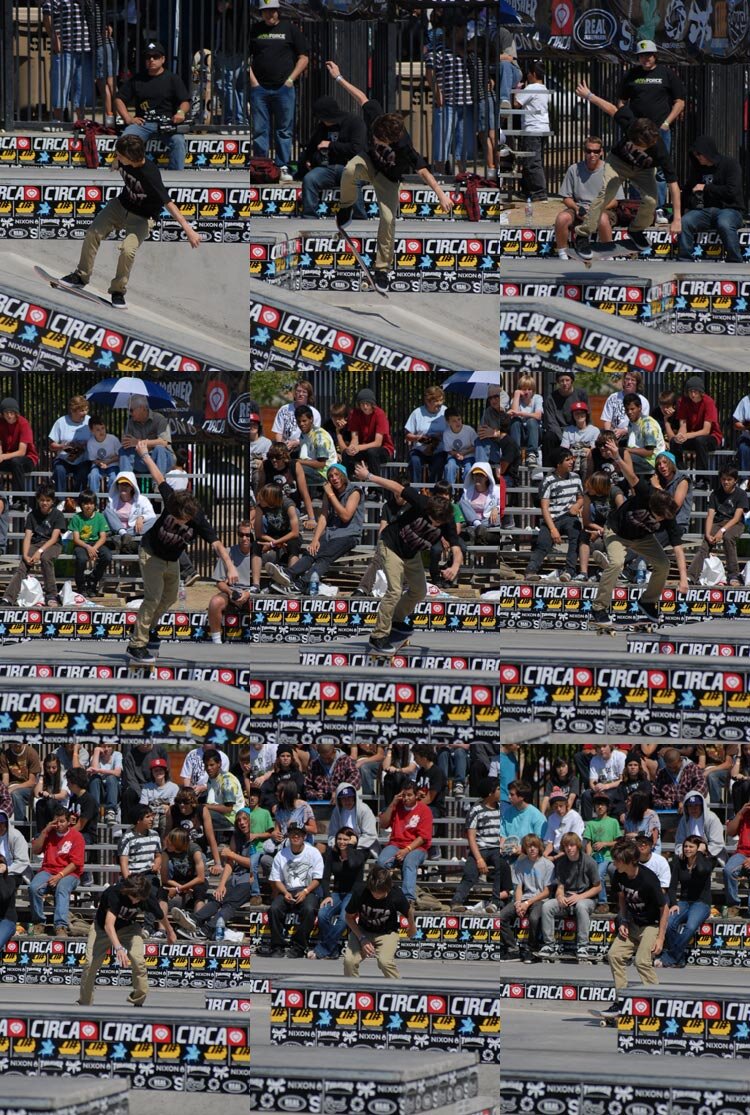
(229, 68)
(675, 779)
(738, 862)
(508, 71)
(279, 54)
(145, 425)
(483, 835)
(614, 416)
(259, 447)
(371, 440)
(424, 431)
(63, 851)
(18, 454)
(327, 771)
(605, 777)
(534, 100)
(558, 412)
(580, 186)
(453, 138)
(411, 824)
(20, 767)
(712, 198)
(725, 524)
(373, 920)
(487, 447)
(155, 91)
(343, 868)
(561, 500)
(577, 884)
(525, 413)
(741, 418)
(136, 772)
(336, 138)
(699, 429)
(689, 902)
(295, 880)
(600, 836)
(284, 428)
(458, 445)
(72, 47)
(68, 440)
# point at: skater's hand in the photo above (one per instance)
(446, 201)
(333, 70)
(624, 933)
(582, 90)
(368, 949)
(194, 238)
(121, 957)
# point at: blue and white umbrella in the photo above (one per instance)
(116, 392)
(473, 385)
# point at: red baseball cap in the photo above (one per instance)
(159, 763)
(580, 405)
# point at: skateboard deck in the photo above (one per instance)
(566, 956)
(388, 654)
(646, 626)
(369, 278)
(600, 251)
(87, 295)
(604, 1018)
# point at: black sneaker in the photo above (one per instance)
(649, 609)
(598, 615)
(381, 279)
(118, 300)
(512, 954)
(344, 217)
(582, 247)
(74, 279)
(636, 241)
(379, 645)
(141, 655)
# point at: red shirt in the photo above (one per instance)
(694, 415)
(406, 824)
(366, 426)
(59, 851)
(743, 836)
(13, 433)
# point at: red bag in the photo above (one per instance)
(264, 172)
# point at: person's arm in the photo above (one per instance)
(360, 97)
(658, 945)
(199, 876)
(303, 61)
(708, 529)
(549, 521)
(583, 91)
(446, 201)
(194, 238)
(141, 448)
(733, 824)
(208, 828)
(345, 511)
(362, 473)
(675, 112)
(676, 199)
(37, 844)
(19, 452)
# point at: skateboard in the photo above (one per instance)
(645, 626)
(565, 956)
(605, 1018)
(615, 249)
(57, 284)
(363, 266)
(145, 669)
(385, 656)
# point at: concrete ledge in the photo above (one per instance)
(647, 1089)
(54, 1095)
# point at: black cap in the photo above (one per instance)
(327, 108)
(294, 826)
(10, 404)
(153, 47)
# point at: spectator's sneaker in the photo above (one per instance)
(601, 908)
(254, 590)
(511, 954)
(581, 577)
(459, 790)
(564, 577)
(531, 576)
(157, 935)
(381, 279)
(140, 655)
(110, 816)
(256, 900)
(548, 952)
(285, 175)
(118, 300)
(343, 220)
(582, 248)
(183, 919)
(648, 610)
(660, 217)
(458, 909)
(491, 908)
(586, 953)
(505, 104)
(563, 254)
(278, 575)
(191, 579)
(74, 279)
(61, 931)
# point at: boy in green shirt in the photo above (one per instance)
(599, 835)
(262, 826)
(89, 530)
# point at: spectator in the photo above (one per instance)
(193, 769)
(336, 138)
(259, 448)
(136, 772)
(72, 756)
(441, 557)
(20, 767)
(183, 874)
(102, 453)
(525, 412)
(458, 446)
(90, 530)
(712, 198)
(295, 880)
(605, 777)
(483, 835)
(741, 418)
(107, 62)
(261, 827)
(41, 544)
(373, 921)
(679, 486)
(508, 71)
(614, 415)
(50, 791)
(487, 447)
(327, 771)
(558, 412)
(343, 869)
(223, 792)
(639, 817)
(279, 54)
(156, 94)
(654, 861)
(63, 850)
(636, 779)
(317, 454)
(580, 186)
(675, 779)
(534, 99)
(411, 825)
(698, 820)
(235, 599)
(645, 439)
(290, 807)
(353, 813)
(643, 914)
(507, 762)
(597, 491)
(717, 762)
(691, 882)
(129, 514)
(195, 818)
(453, 136)
(482, 503)
(285, 429)
(453, 760)
(145, 426)
(229, 66)
(561, 821)
(18, 454)
(160, 794)
(577, 884)
(738, 862)
(725, 524)
(68, 439)
(740, 788)
(285, 769)
(237, 886)
(338, 426)
(666, 414)
(599, 838)
(531, 875)
(72, 45)
(139, 850)
(485, 104)
(424, 430)
(431, 784)
(561, 777)
(519, 819)
(82, 806)
(14, 848)
(699, 431)
(561, 500)
(279, 469)
(8, 913)
(581, 437)
(369, 759)
(398, 768)
(371, 441)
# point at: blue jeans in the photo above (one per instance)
(175, 144)
(488, 450)
(279, 104)
(254, 867)
(162, 458)
(105, 787)
(743, 451)
(435, 464)
(509, 76)
(322, 178)
(62, 469)
(7, 929)
(96, 475)
(21, 799)
(681, 928)
(368, 773)
(525, 431)
(603, 875)
(452, 466)
(725, 221)
(63, 891)
(230, 81)
(732, 871)
(457, 759)
(410, 864)
(453, 134)
(72, 78)
(331, 925)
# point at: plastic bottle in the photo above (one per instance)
(529, 208)
(181, 594)
(640, 571)
(221, 928)
(314, 584)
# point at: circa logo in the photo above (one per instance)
(595, 29)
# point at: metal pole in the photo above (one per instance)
(7, 64)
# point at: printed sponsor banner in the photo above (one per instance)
(408, 1018)
(105, 623)
(726, 647)
(554, 991)
(219, 153)
(712, 1026)
(542, 1093)
(415, 203)
(237, 678)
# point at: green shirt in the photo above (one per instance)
(89, 529)
(260, 821)
(606, 829)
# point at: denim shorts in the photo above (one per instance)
(486, 114)
(107, 60)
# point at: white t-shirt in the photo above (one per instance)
(102, 450)
(534, 100)
(742, 412)
(462, 442)
(614, 410)
(286, 424)
(64, 430)
(660, 868)
(607, 770)
(558, 826)
(193, 767)
(296, 872)
(422, 422)
(177, 479)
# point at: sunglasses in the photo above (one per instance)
(591, 151)
(245, 534)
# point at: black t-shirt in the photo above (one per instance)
(644, 897)
(725, 504)
(284, 480)
(432, 780)
(85, 807)
(378, 915)
(182, 864)
(651, 93)
(395, 160)
(274, 52)
(640, 786)
(144, 193)
(191, 823)
(115, 902)
(633, 519)
(652, 158)
(162, 94)
(511, 455)
(167, 538)
(413, 532)
(41, 526)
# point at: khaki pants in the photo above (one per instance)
(639, 944)
(113, 217)
(98, 946)
(360, 169)
(729, 542)
(161, 584)
(385, 955)
(395, 607)
(615, 173)
(617, 548)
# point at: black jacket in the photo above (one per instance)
(351, 140)
(723, 178)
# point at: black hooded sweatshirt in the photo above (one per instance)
(347, 135)
(722, 179)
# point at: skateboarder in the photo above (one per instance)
(633, 525)
(135, 210)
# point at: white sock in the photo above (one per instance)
(216, 637)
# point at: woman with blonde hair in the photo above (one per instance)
(424, 429)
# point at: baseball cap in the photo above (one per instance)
(153, 47)
(645, 46)
(557, 795)
(254, 417)
(694, 798)
(564, 372)
(268, 5)
(294, 826)
(159, 763)
(580, 405)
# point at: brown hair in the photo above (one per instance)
(339, 410)
(132, 147)
(389, 128)
(434, 394)
(270, 496)
(177, 840)
(661, 503)
(525, 381)
(643, 132)
(531, 840)
(598, 485)
(279, 452)
(184, 505)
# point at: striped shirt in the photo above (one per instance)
(451, 75)
(560, 492)
(69, 21)
(141, 850)
(486, 823)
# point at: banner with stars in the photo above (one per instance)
(201, 152)
(104, 623)
(714, 1025)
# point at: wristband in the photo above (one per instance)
(339, 78)
(589, 95)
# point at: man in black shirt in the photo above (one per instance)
(135, 210)
(641, 922)
(179, 523)
(372, 918)
(633, 525)
(337, 137)
(155, 91)
(426, 521)
(41, 543)
(713, 197)
(725, 524)
(278, 55)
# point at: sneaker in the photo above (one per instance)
(74, 279)
(118, 300)
(532, 459)
(582, 248)
(503, 151)
(36, 929)
(730, 912)
(512, 954)
(601, 908)
(154, 645)
(564, 577)
(190, 580)
(379, 645)
(254, 590)
(549, 951)
(562, 254)
(598, 615)
(381, 279)
(612, 1013)
(157, 935)
(135, 1000)
(586, 953)
(278, 575)
(635, 241)
(581, 577)
(527, 958)
(141, 655)
(61, 931)
(458, 909)
(110, 817)
(537, 472)
(459, 790)
(183, 919)
(256, 900)
(649, 610)
(294, 952)
(531, 576)
(491, 908)
(344, 217)
(270, 952)
(505, 104)
(660, 217)
(285, 175)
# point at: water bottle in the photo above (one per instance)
(640, 571)
(529, 208)
(181, 593)
(314, 584)
(221, 928)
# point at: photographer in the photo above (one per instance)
(160, 99)
(337, 137)
(712, 198)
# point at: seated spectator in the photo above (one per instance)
(193, 769)
(18, 454)
(369, 759)
(285, 769)
(183, 874)
(699, 430)
(50, 791)
(580, 186)
(8, 912)
(154, 89)
(237, 886)
(605, 777)
(424, 429)
(128, 513)
(484, 858)
(336, 138)
(716, 761)
(371, 441)
(453, 760)
(235, 598)
(223, 792)
(149, 426)
(327, 771)
(14, 847)
(259, 448)
(740, 788)
(505, 763)
(531, 876)
(525, 413)
(561, 821)
(597, 490)
(700, 821)
(741, 422)
(136, 772)
(83, 806)
(261, 828)
(139, 851)
(458, 445)
(725, 524)
(635, 779)
(557, 411)
(290, 807)
(343, 871)
(160, 794)
(105, 771)
(599, 838)
(317, 454)
(63, 850)
(482, 503)
(647, 754)
(72, 756)
(576, 885)
(712, 198)
(373, 921)
(679, 486)
(484, 762)
(639, 817)
(338, 427)
(675, 779)
(398, 768)
(296, 874)
(519, 819)
(277, 534)
(487, 447)
(90, 530)
(580, 437)
(666, 414)
(20, 767)
(431, 785)
(561, 500)
(654, 861)
(68, 439)
(102, 455)
(645, 439)
(738, 864)
(614, 416)
(41, 544)
(561, 777)
(284, 428)
(353, 813)
(279, 469)
(411, 825)
(194, 817)
(689, 900)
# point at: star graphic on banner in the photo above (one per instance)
(540, 695)
(156, 725)
(30, 334)
(105, 360)
(435, 715)
(81, 723)
(262, 336)
(687, 700)
(286, 709)
(219, 736)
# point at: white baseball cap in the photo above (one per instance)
(643, 46)
(268, 5)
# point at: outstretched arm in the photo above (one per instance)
(360, 97)
(583, 91)
(141, 448)
(363, 474)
